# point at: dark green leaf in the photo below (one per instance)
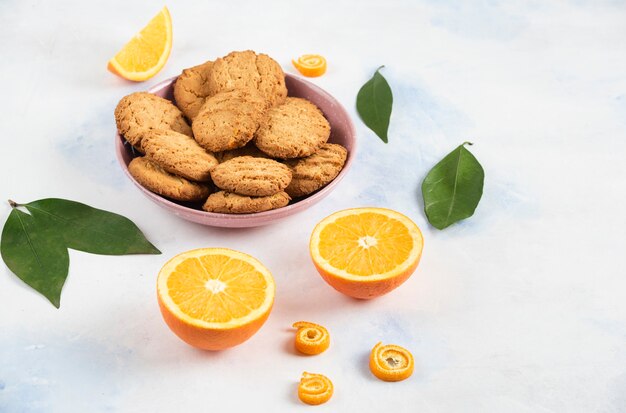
(453, 188)
(33, 251)
(92, 230)
(374, 102)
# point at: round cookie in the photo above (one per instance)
(295, 129)
(179, 154)
(316, 171)
(246, 175)
(154, 178)
(229, 203)
(248, 70)
(249, 150)
(228, 120)
(192, 88)
(140, 113)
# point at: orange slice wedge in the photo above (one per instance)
(215, 298)
(391, 363)
(366, 252)
(315, 388)
(147, 52)
(310, 65)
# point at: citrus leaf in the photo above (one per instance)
(33, 251)
(453, 188)
(374, 102)
(91, 230)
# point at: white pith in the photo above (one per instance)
(367, 242)
(215, 286)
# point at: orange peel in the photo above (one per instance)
(310, 65)
(391, 362)
(311, 338)
(315, 388)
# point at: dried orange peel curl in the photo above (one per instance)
(315, 388)
(391, 363)
(311, 338)
(310, 65)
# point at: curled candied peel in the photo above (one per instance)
(311, 338)
(315, 388)
(391, 362)
(310, 65)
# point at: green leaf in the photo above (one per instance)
(374, 102)
(34, 246)
(33, 251)
(91, 230)
(453, 188)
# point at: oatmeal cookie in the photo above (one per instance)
(229, 203)
(140, 113)
(154, 178)
(228, 120)
(317, 170)
(180, 155)
(294, 129)
(248, 70)
(192, 88)
(246, 175)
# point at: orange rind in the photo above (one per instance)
(315, 388)
(391, 362)
(311, 338)
(310, 65)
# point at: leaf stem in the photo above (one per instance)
(13, 204)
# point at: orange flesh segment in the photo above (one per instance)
(216, 288)
(365, 244)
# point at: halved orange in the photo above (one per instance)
(215, 298)
(147, 52)
(366, 252)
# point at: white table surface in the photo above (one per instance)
(521, 308)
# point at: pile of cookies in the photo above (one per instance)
(250, 147)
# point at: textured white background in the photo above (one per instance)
(522, 308)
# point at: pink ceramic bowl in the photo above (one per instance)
(342, 132)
